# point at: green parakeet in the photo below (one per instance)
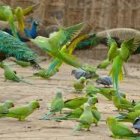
(122, 103)
(91, 90)
(113, 49)
(9, 74)
(76, 113)
(6, 14)
(75, 102)
(126, 49)
(107, 92)
(53, 67)
(24, 111)
(11, 15)
(79, 84)
(20, 18)
(137, 106)
(86, 118)
(5, 106)
(44, 73)
(116, 71)
(57, 105)
(118, 129)
(22, 63)
(128, 117)
(104, 64)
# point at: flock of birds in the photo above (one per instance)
(121, 43)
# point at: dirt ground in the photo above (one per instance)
(44, 90)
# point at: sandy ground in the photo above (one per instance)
(44, 90)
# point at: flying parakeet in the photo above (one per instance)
(104, 64)
(11, 15)
(86, 119)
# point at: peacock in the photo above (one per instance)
(32, 33)
(119, 34)
(13, 47)
(29, 33)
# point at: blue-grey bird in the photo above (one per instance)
(104, 80)
(78, 73)
(136, 124)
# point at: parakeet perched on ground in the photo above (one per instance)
(76, 113)
(75, 102)
(57, 105)
(119, 130)
(104, 80)
(9, 74)
(5, 106)
(79, 84)
(12, 47)
(91, 90)
(128, 117)
(122, 103)
(44, 73)
(86, 119)
(107, 92)
(24, 111)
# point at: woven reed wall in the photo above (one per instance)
(102, 14)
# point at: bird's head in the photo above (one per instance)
(110, 120)
(36, 23)
(91, 90)
(87, 106)
(92, 100)
(9, 103)
(35, 104)
(59, 94)
(82, 79)
(73, 72)
(41, 42)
